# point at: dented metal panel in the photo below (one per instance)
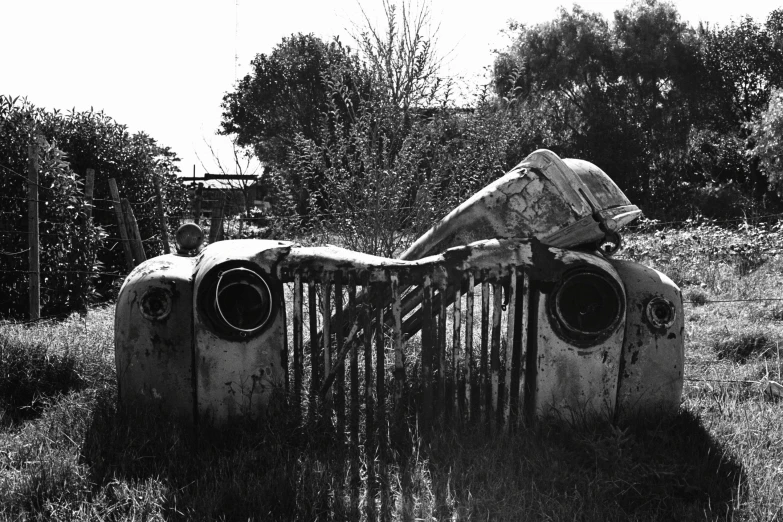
(653, 357)
(153, 337)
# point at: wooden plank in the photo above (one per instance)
(216, 220)
(399, 363)
(427, 348)
(164, 229)
(494, 356)
(456, 359)
(33, 235)
(298, 342)
(509, 366)
(121, 225)
(484, 396)
(137, 247)
(469, 346)
(523, 300)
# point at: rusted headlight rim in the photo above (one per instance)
(571, 333)
(263, 290)
(660, 312)
(215, 321)
(155, 304)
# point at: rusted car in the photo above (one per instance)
(519, 310)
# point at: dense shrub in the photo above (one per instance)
(73, 250)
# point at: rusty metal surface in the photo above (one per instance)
(153, 356)
(514, 237)
(538, 198)
(236, 377)
(575, 383)
(651, 377)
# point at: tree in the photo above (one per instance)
(622, 95)
(401, 55)
(743, 62)
(283, 96)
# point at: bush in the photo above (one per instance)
(73, 250)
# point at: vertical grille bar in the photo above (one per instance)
(497, 304)
(380, 391)
(427, 345)
(369, 417)
(298, 342)
(399, 364)
(456, 360)
(442, 400)
(484, 397)
(469, 346)
(326, 316)
(523, 301)
(339, 398)
(355, 479)
(511, 298)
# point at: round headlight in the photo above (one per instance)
(243, 300)
(587, 306)
(189, 238)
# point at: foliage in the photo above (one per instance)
(72, 249)
(68, 243)
(742, 64)
(769, 141)
(661, 107)
(283, 96)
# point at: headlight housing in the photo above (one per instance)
(586, 306)
(237, 300)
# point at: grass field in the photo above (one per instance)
(67, 453)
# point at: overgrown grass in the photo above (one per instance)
(68, 453)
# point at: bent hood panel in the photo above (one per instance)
(560, 202)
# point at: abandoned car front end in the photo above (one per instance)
(517, 307)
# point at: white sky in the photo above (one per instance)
(162, 66)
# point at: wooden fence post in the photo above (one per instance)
(115, 196)
(34, 255)
(133, 231)
(164, 231)
(216, 222)
(89, 188)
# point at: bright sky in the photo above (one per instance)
(162, 66)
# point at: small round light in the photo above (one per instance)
(155, 304)
(661, 313)
(189, 238)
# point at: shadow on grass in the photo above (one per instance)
(263, 471)
(254, 471)
(674, 470)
